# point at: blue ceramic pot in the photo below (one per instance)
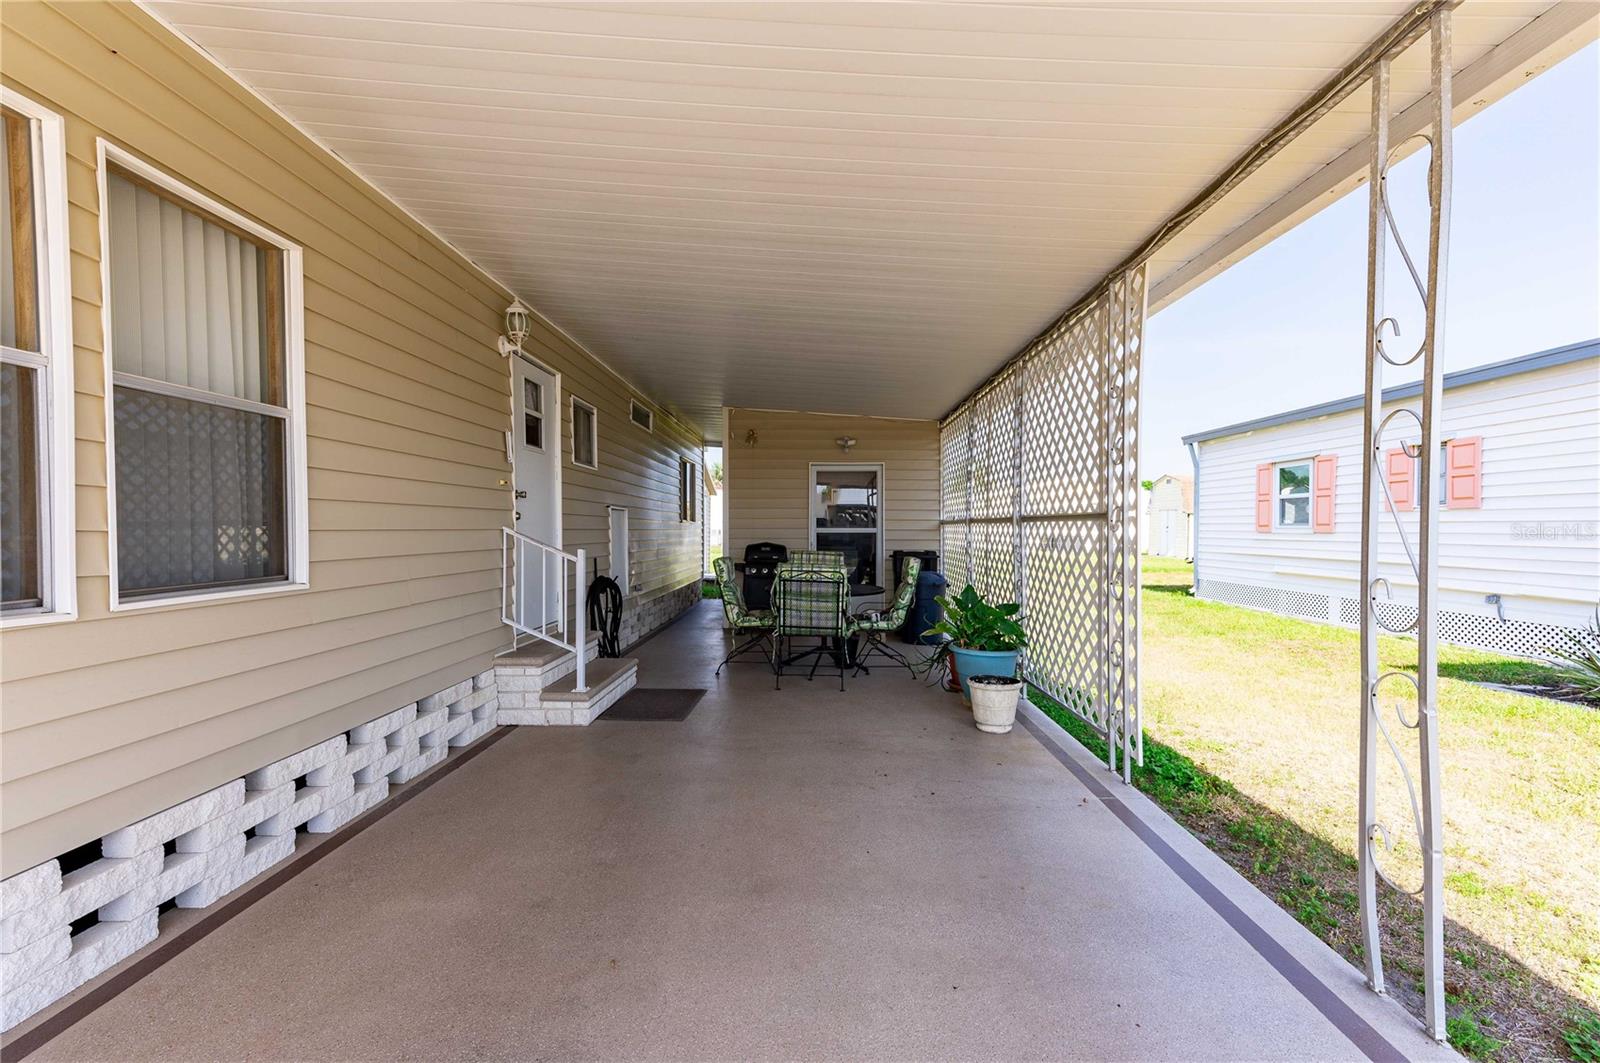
(982, 662)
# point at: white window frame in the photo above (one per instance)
(573, 402)
(57, 477)
(635, 407)
(296, 519)
(1311, 490)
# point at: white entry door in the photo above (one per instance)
(536, 444)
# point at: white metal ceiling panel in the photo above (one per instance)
(856, 208)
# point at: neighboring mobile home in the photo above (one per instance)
(1279, 504)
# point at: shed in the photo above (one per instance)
(1171, 516)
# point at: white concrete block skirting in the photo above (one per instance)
(196, 853)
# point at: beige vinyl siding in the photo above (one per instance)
(112, 717)
(769, 483)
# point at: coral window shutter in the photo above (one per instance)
(1264, 497)
(1324, 474)
(1401, 470)
(1463, 473)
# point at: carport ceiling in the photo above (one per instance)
(853, 208)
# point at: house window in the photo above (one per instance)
(35, 368)
(688, 489)
(641, 416)
(206, 442)
(1293, 480)
(585, 435)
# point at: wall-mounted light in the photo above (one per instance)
(750, 438)
(845, 443)
(518, 321)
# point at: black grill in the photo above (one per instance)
(761, 562)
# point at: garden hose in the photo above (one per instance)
(605, 614)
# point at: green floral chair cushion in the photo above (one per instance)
(894, 616)
(739, 617)
(810, 601)
(817, 558)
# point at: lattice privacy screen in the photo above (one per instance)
(1040, 504)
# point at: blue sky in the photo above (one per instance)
(1284, 327)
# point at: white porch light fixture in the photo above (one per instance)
(518, 320)
(845, 443)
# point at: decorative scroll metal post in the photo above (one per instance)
(1423, 793)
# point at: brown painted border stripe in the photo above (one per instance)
(1361, 1033)
(79, 1009)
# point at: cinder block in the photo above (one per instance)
(260, 853)
(431, 721)
(180, 818)
(446, 731)
(308, 802)
(514, 716)
(417, 765)
(17, 967)
(355, 758)
(373, 730)
(258, 805)
(362, 799)
(93, 951)
(516, 699)
(471, 734)
(82, 891)
(179, 872)
(452, 693)
(389, 762)
(472, 701)
(27, 888)
(487, 711)
(483, 679)
(558, 717)
(292, 767)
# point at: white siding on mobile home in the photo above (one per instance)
(1534, 540)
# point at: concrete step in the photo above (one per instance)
(561, 704)
(533, 666)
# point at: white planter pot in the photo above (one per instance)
(994, 705)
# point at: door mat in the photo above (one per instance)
(654, 703)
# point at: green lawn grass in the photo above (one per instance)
(1251, 721)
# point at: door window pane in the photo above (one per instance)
(200, 494)
(532, 414)
(19, 257)
(20, 583)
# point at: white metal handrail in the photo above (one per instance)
(567, 628)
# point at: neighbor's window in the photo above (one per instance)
(584, 435)
(1294, 494)
(688, 489)
(641, 416)
(203, 425)
(35, 397)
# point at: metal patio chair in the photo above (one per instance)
(811, 602)
(873, 627)
(754, 625)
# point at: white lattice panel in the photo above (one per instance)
(1040, 504)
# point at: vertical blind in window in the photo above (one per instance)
(200, 414)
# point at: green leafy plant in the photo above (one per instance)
(1580, 659)
(1467, 1036)
(1582, 1034)
(972, 623)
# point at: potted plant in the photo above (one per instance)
(979, 638)
(994, 702)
